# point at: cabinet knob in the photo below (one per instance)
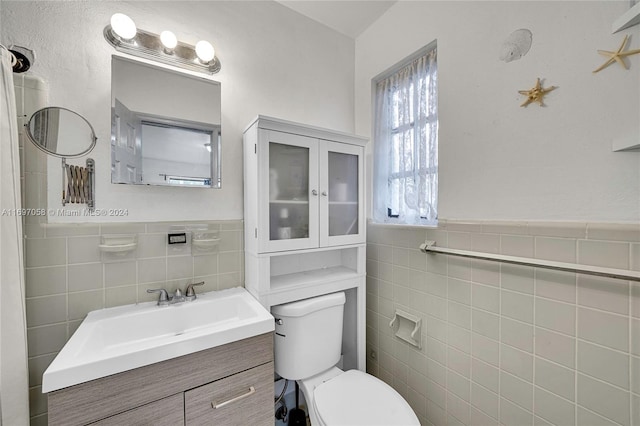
(324, 193)
(314, 192)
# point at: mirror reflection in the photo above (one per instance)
(61, 132)
(165, 127)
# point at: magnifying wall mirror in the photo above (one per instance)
(61, 132)
(65, 134)
(165, 127)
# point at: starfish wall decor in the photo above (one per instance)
(617, 56)
(535, 94)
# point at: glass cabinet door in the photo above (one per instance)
(290, 180)
(341, 204)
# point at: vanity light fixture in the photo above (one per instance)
(169, 41)
(123, 35)
(205, 51)
(123, 26)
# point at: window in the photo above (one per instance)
(406, 141)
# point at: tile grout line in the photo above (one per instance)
(630, 337)
(499, 341)
(66, 280)
(104, 285)
(535, 291)
(600, 415)
(470, 322)
(575, 349)
(447, 343)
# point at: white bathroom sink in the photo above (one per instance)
(114, 340)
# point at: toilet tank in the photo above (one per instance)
(308, 335)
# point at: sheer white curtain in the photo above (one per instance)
(406, 144)
(14, 391)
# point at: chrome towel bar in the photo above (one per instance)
(623, 274)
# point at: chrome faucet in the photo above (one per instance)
(190, 292)
(163, 299)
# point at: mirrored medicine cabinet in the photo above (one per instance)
(165, 127)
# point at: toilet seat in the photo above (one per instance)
(355, 398)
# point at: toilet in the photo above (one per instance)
(308, 343)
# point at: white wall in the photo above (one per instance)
(498, 160)
(274, 62)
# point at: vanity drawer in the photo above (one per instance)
(165, 412)
(242, 399)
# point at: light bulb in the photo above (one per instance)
(123, 26)
(205, 51)
(168, 39)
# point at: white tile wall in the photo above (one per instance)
(555, 378)
(555, 347)
(505, 344)
(606, 400)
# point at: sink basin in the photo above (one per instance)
(114, 340)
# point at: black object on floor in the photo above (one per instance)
(297, 417)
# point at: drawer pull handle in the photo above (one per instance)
(252, 390)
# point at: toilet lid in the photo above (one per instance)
(354, 398)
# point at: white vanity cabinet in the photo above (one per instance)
(304, 219)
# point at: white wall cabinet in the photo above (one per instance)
(307, 189)
(304, 219)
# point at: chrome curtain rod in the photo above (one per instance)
(623, 274)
